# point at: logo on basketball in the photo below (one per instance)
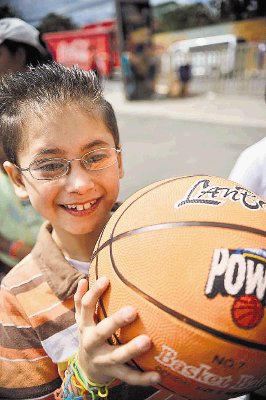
(203, 373)
(240, 274)
(202, 192)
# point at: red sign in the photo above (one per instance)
(92, 47)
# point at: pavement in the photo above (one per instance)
(166, 137)
(210, 107)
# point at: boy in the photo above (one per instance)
(62, 144)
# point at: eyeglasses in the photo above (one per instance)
(54, 168)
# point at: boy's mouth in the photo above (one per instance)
(80, 207)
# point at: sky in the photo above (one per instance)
(80, 11)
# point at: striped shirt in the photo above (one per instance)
(38, 328)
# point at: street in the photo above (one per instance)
(159, 142)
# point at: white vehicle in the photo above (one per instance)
(211, 56)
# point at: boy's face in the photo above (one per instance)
(69, 134)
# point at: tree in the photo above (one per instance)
(186, 16)
(238, 9)
(56, 23)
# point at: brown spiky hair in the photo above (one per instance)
(43, 89)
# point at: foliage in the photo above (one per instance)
(238, 9)
(173, 16)
(55, 23)
(186, 16)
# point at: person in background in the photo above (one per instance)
(261, 55)
(95, 62)
(20, 47)
(184, 74)
(139, 61)
(153, 66)
(249, 168)
(128, 76)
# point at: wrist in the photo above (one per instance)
(85, 379)
(102, 381)
(15, 247)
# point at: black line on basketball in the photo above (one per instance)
(179, 316)
(170, 225)
(161, 183)
(113, 238)
(134, 363)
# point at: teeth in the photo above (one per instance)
(81, 207)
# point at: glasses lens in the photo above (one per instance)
(99, 159)
(48, 169)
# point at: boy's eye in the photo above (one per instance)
(48, 168)
(48, 165)
(95, 159)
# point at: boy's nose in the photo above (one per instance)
(79, 180)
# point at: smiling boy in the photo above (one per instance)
(62, 143)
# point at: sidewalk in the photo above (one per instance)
(240, 110)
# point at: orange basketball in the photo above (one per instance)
(189, 254)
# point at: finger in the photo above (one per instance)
(80, 292)
(89, 300)
(124, 353)
(109, 325)
(134, 377)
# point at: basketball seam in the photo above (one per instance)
(189, 321)
(179, 316)
(170, 225)
(229, 338)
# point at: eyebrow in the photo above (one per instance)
(56, 150)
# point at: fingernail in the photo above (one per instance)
(155, 378)
(143, 343)
(128, 314)
(102, 282)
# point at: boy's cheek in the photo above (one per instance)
(121, 173)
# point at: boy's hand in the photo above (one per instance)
(99, 360)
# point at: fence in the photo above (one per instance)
(240, 72)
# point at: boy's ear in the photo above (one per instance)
(16, 179)
(120, 165)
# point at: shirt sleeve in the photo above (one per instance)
(247, 172)
(26, 370)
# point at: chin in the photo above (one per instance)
(85, 230)
(79, 232)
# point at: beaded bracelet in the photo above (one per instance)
(100, 388)
(77, 387)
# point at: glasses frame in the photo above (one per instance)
(69, 162)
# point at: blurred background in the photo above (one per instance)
(186, 78)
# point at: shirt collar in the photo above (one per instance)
(60, 275)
